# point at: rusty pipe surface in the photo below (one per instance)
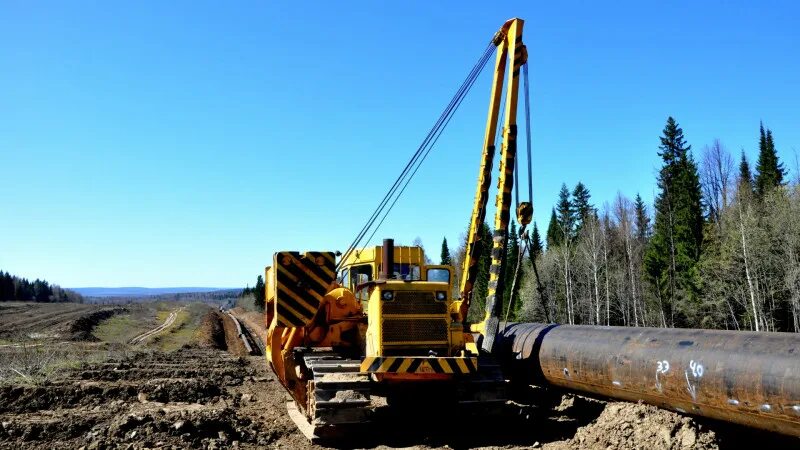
(744, 377)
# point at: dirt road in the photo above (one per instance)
(167, 323)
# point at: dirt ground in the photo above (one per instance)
(51, 321)
(209, 394)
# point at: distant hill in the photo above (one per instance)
(142, 291)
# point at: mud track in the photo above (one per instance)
(167, 323)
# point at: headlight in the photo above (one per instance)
(387, 295)
(441, 296)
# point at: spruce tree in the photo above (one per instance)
(582, 208)
(445, 257)
(642, 220)
(536, 243)
(259, 293)
(41, 291)
(554, 236)
(6, 287)
(675, 246)
(745, 175)
(770, 170)
(565, 214)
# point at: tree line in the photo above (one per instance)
(14, 288)
(719, 248)
(257, 293)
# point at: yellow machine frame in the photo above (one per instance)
(509, 37)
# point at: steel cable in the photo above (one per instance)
(422, 150)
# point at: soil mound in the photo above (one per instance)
(634, 426)
(82, 328)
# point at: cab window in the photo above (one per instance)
(408, 272)
(344, 278)
(439, 275)
(360, 275)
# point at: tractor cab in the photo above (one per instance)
(408, 303)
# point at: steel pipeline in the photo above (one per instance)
(744, 377)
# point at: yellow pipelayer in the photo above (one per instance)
(388, 320)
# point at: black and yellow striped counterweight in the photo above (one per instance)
(301, 282)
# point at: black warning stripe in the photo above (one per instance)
(301, 283)
(296, 303)
(395, 365)
(307, 271)
(288, 318)
(297, 281)
(434, 362)
(326, 269)
(331, 257)
(470, 365)
(293, 280)
(376, 363)
(399, 364)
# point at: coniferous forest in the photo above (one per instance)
(719, 248)
(13, 288)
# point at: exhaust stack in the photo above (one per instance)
(387, 259)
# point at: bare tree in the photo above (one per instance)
(716, 176)
(623, 210)
(590, 246)
(748, 276)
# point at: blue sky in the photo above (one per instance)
(182, 143)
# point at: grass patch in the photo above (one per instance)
(247, 302)
(28, 363)
(142, 317)
(184, 331)
(121, 329)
